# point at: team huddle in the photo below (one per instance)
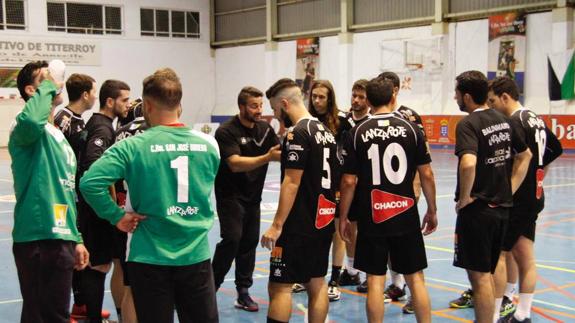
(136, 197)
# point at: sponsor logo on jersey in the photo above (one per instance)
(324, 138)
(384, 133)
(325, 212)
(385, 206)
(60, 211)
(290, 136)
(277, 272)
(540, 174)
(99, 142)
(189, 210)
(292, 156)
(68, 183)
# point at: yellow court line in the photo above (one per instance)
(567, 270)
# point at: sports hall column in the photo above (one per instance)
(440, 27)
(561, 40)
(345, 55)
(271, 47)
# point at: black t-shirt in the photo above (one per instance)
(384, 152)
(235, 139)
(101, 136)
(487, 134)
(411, 115)
(73, 127)
(545, 148)
(311, 147)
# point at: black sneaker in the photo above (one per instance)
(510, 318)
(408, 307)
(246, 303)
(345, 279)
(394, 293)
(507, 307)
(362, 288)
(464, 301)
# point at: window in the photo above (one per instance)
(169, 23)
(12, 14)
(84, 18)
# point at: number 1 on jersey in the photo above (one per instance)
(181, 166)
(541, 140)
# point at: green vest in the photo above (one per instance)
(170, 174)
(44, 168)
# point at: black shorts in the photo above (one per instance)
(119, 252)
(190, 289)
(521, 223)
(406, 253)
(297, 259)
(98, 235)
(479, 233)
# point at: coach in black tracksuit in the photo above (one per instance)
(247, 144)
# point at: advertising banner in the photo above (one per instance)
(507, 40)
(307, 63)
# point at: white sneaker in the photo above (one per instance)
(333, 292)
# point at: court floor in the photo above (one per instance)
(555, 242)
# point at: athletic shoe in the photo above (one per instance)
(394, 293)
(362, 288)
(510, 318)
(333, 292)
(345, 279)
(80, 313)
(507, 307)
(297, 288)
(246, 303)
(408, 307)
(464, 301)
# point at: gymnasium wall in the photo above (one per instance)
(131, 57)
(465, 48)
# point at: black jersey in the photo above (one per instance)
(487, 134)
(236, 139)
(73, 127)
(384, 153)
(311, 147)
(134, 127)
(101, 136)
(545, 148)
(411, 115)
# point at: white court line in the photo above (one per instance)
(5, 180)
(6, 239)
(6, 211)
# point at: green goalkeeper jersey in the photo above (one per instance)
(44, 168)
(170, 174)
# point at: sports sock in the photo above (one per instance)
(93, 282)
(397, 279)
(497, 309)
(524, 306)
(335, 271)
(510, 290)
(352, 271)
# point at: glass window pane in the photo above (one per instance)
(56, 19)
(86, 18)
(162, 23)
(15, 14)
(147, 21)
(113, 20)
(193, 24)
(178, 22)
(1, 15)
